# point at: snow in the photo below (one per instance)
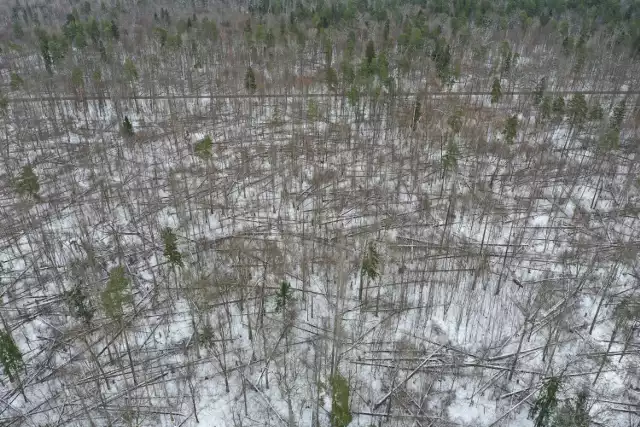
(450, 303)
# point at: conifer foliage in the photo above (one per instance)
(116, 293)
(27, 183)
(544, 406)
(171, 247)
(127, 127)
(340, 410)
(250, 80)
(10, 356)
(203, 148)
(283, 296)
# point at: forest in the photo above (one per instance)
(320, 213)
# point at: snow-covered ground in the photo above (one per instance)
(517, 250)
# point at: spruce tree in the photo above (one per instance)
(10, 356)
(171, 247)
(79, 304)
(558, 108)
(539, 92)
(130, 71)
(596, 113)
(370, 53)
(203, 148)
(27, 184)
(450, 158)
(618, 115)
(385, 33)
(455, 121)
(383, 67)
(545, 107)
(510, 129)
(331, 78)
(496, 91)
(114, 31)
(250, 81)
(283, 296)
(45, 49)
(77, 79)
(371, 262)
(127, 127)
(116, 294)
(16, 81)
(574, 413)
(578, 109)
(545, 405)
(340, 410)
(417, 113)
(370, 267)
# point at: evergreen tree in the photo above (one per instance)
(558, 107)
(162, 35)
(283, 296)
(16, 81)
(45, 49)
(86, 8)
(171, 247)
(18, 31)
(450, 158)
(383, 66)
(116, 294)
(127, 127)
(455, 121)
(539, 92)
(69, 28)
(596, 113)
(574, 413)
(331, 78)
(203, 148)
(93, 30)
(58, 46)
(270, 39)
(80, 40)
(312, 110)
(115, 32)
(417, 113)
(385, 32)
(496, 91)
(618, 115)
(77, 79)
(546, 107)
(611, 139)
(506, 57)
(510, 129)
(545, 405)
(10, 356)
(4, 104)
(370, 53)
(250, 81)
(130, 71)
(441, 56)
(79, 304)
(103, 51)
(209, 30)
(328, 50)
(27, 184)
(340, 409)
(371, 263)
(248, 32)
(578, 109)
(353, 96)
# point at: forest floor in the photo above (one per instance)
(495, 273)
